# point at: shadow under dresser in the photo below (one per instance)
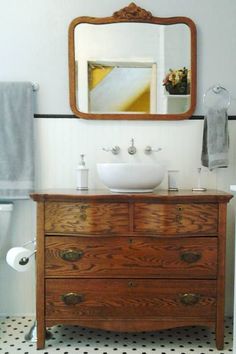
(131, 262)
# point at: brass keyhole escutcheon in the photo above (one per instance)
(131, 284)
(179, 216)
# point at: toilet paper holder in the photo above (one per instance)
(29, 242)
(25, 260)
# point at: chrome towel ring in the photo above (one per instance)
(216, 96)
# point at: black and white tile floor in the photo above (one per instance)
(75, 339)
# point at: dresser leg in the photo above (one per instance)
(41, 331)
(220, 335)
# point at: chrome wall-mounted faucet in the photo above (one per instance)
(132, 149)
(148, 150)
(115, 150)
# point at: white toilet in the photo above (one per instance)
(5, 221)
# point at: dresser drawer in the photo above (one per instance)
(131, 256)
(172, 219)
(82, 217)
(129, 299)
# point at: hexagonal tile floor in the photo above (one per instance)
(75, 339)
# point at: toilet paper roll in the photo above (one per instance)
(15, 254)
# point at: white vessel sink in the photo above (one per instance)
(131, 177)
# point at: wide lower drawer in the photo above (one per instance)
(172, 219)
(75, 217)
(129, 299)
(131, 256)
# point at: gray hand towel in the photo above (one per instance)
(215, 139)
(16, 136)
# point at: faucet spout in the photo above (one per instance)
(132, 149)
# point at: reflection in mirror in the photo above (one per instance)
(121, 87)
(123, 68)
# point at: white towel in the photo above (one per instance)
(215, 142)
(16, 136)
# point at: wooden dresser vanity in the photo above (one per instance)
(131, 262)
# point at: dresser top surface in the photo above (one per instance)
(103, 194)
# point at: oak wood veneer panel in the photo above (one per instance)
(174, 219)
(132, 256)
(87, 217)
(127, 299)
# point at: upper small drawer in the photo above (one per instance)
(176, 218)
(91, 217)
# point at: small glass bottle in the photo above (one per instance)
(199, 187)
(82, 175)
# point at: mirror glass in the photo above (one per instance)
(132, 70)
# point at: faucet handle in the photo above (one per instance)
(115, 150)
(148, 150)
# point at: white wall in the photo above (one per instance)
(33, 46)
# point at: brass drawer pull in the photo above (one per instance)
(71, 255)
(179, 218)
(82, 212)
(189, 299)
(72, 298)
(190, 257)
(83, 216)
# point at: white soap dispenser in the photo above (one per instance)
(82, 175)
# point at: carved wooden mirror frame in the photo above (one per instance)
(135, 14)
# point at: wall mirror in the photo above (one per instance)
(132, 65)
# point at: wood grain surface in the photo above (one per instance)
(86, 217)
(131, 298)
(175, 219)
(132, 256)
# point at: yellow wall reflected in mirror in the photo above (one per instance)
(129, 87)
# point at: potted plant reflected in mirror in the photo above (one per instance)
(177, 82)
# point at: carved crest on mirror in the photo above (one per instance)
(132, 66)
(133, 12)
